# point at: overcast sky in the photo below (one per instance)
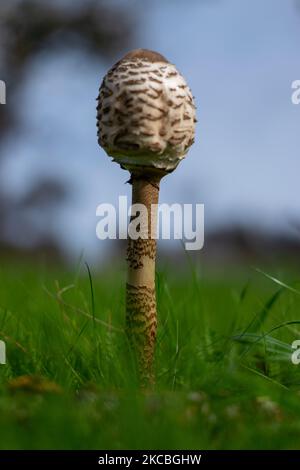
(239, 57)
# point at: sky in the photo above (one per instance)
(239, 58)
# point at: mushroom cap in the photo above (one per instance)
(146, 113)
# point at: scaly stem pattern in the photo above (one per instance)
(141, 314)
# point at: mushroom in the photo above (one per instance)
(146, 123)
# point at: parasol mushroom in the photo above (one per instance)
(146, 122)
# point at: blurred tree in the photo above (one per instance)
(30, 27)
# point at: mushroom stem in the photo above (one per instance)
(141, 314)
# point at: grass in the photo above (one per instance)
(223, 364)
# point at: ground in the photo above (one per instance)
(224, 375)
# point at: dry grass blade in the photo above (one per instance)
(82, 312)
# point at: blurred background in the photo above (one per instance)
(240, 59)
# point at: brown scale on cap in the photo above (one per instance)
(145, 54)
